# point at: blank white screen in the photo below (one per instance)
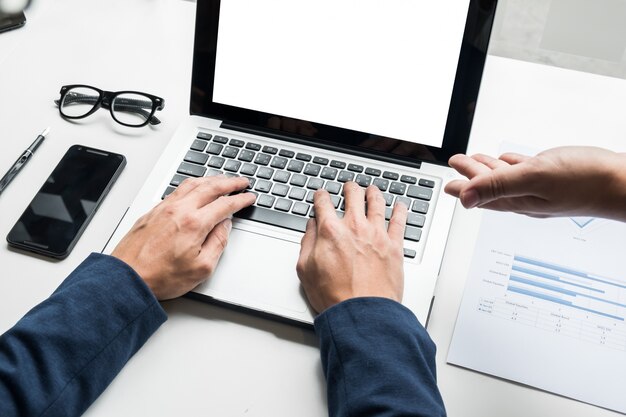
(385, 67)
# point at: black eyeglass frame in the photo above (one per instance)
(105, 99)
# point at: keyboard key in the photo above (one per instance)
(315, 184)
(270, 149)
(196, 157)
(282, 176)
(412, 233)
(199, 145)
(310, 197)
(286, 153)
(373, 172)
(168, 191)
(427, 183)
(280, 190)
(204, 136)
(422, 193)
(265, 173)
(410, 253)
(216, 162)
(420, 207)
(253, 146)
(388, 213)
(388, 199)
(262, 159)
(232, 166)
(320, 161)
(312, 170)
(397, 188)
(263, 186)
(336, 200)
(382, 184)
(304, 157)
(301, 209)
(220, 139)
(295, 166)
(213, 172)
(363, 180)
(408, 179)
(329, 173)
(298, 180)
(332, 187)
(266, 200)
(338, 164)
(191, 170)
(236, 142)
(405, 201)
(297, 193)
(283, 205)
(274, 218)
(248, 169)
(416, 220)
(355, 168)
(251, 182)
(215, 149)
(177, 180)
(230, 152)
(231, 175)
(279, 162)
(345, 176)
(246, 156)
(391, 176)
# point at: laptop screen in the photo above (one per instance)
(366, 75)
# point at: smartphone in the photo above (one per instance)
(56, 218)
(11, 21)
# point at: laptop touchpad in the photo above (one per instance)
(257, 271)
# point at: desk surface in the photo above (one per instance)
(207, 359)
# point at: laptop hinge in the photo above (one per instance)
(318, 143)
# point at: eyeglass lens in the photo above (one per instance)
(79, 101)
(131, 109)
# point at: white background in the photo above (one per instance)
(382, 67)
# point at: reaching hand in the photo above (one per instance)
(355, 256)
(562, 181)
(177, 244)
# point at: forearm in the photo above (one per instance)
(616, 195)
(378, 360)
(60, 357)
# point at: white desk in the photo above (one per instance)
(207, 360)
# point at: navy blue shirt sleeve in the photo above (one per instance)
(378, 360)
(62, 355)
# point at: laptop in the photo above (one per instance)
(302, 95)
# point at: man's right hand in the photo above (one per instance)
(567, 181)
(354, 256)
(177, 244)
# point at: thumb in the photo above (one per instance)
(511, 181)
(307, 244)
(216, 242)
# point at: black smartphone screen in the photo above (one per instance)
(64, 205)
(11, 21)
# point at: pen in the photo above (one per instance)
(22, 160)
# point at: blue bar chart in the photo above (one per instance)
(565, 286)
(562, 300)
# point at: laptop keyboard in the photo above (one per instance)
(285, 181)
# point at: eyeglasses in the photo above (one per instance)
(128, 108)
